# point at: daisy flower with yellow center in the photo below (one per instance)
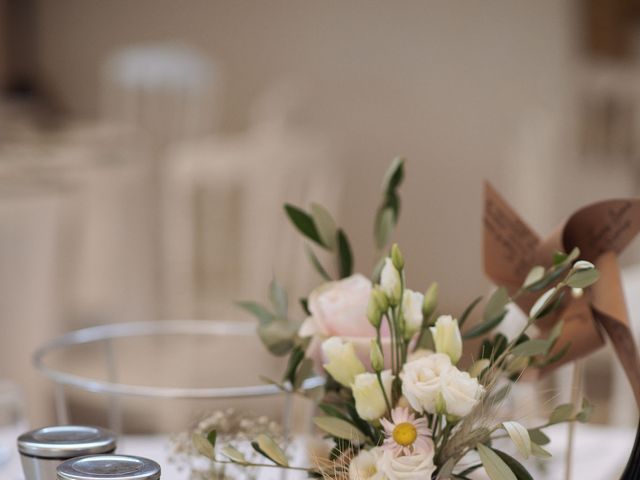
(405, 434)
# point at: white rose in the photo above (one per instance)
(342, 362)
(412, 310)
(421, 381)
(447, 338)
(418, 466)
(364, 465)
(460, 392)
(420, 353)
(370, 402)
(390, 281)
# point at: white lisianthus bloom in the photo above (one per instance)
(447, 338)
(431, 384)
(390, 282)
(343, 363)
(421, 381)
(460, 392)
(418, 466)
(364, 466)
(412, 311)
(370, 402)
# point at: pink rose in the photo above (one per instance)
(339, 309)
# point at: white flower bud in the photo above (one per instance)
(342, 362)
(412, 311)
(447, 338)
(375, 354)
(396, 257)
(390, 282)
(370, 402)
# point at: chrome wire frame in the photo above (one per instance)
(107, 333)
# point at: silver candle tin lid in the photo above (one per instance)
(66, 441)
(111, 467)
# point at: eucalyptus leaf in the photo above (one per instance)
(234, 455)
(340, 429)
(304, 223)
(535, 275)
(394, 175)
(584, 414)
(516, 467)
(583, 278)
(545, 299)
(257, 310)
(519, 436)
(561, 413)
(333, 411)
(531, 348)
(265, 445)
(538, 436)
(345, 257)
(467, 311)
(483, 327)
(384, 225)
(539, 452)
(495, 467)
(305, 371)
(278, 335)
(211, 437)
(325, 225)
(555, 332)
(296, 357)
(496, 304)
(278, 297)
(203, 446)
(316, 263)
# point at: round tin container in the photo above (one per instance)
(109, 467)
(42, 450)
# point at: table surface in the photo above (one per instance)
(600, 453)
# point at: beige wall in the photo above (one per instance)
(449, 85)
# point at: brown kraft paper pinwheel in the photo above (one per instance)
(601, 231)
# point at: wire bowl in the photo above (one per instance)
(117, 373)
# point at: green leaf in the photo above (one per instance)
(340, 429)
(483, 327)
(325, 225)
(559, 258)
(384, 225)
(394, 175)
(304, 223)
(538, 436)
(495, 467)
(584, 414)
(211, 437)
(542, 302)
(257, 310)
(583, 278)
(203, 446)
(278, 335)
(270, 449)
(278, 297)
(316, 263)
(333, 411)
(296, 357)
(496, 304)
(516, 467)
(531, 348)
(561, 413)
(519, 436)
(539, 452)
(555, 332)
(535, 275)
(467, 311)
(234, 455)
(305, 371)
(345, 258)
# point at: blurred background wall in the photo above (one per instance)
(322, 95)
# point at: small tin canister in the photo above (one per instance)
(42, 450)
(109, 467)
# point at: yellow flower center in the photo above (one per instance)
(405, 434)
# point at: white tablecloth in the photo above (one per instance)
(600, 454)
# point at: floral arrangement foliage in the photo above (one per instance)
(397, 403)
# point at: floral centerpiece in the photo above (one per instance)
(398, 402)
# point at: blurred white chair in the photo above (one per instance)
(226, 231)
(167, 90)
